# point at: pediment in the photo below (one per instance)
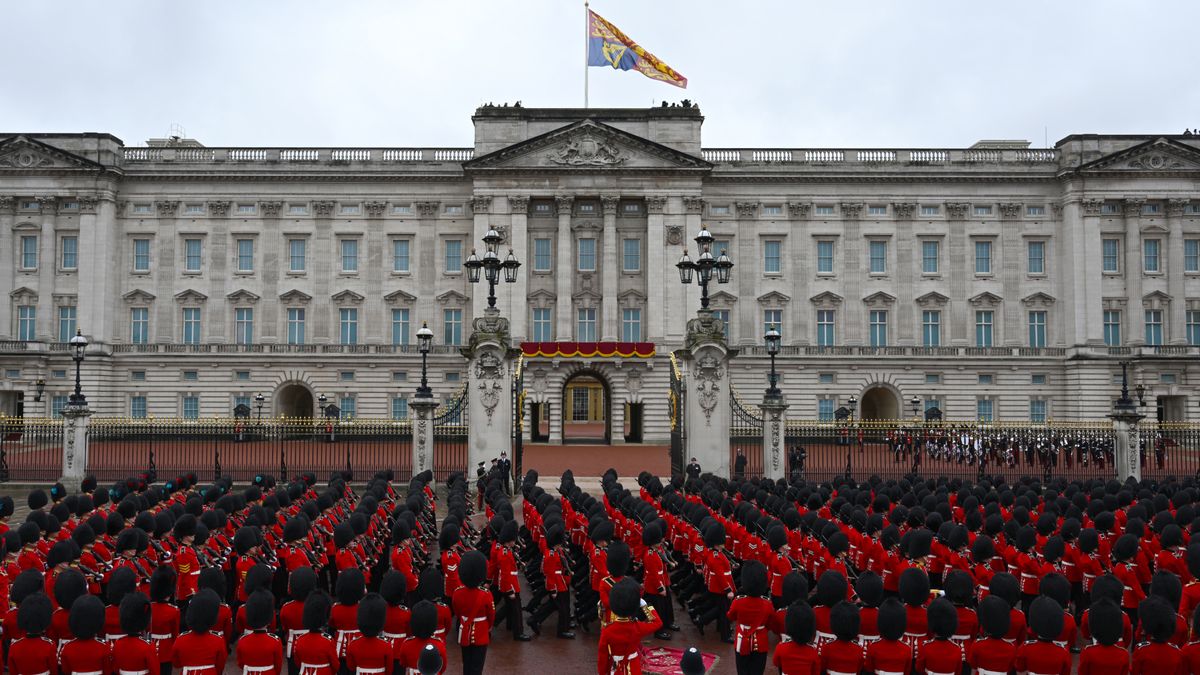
(1038, 299)
(1156, 296)
(190, 296)
(453, 298)
(541, 299)
(242, 296)
(631, 294)
(399, 298)
(1158, 155)
(986, 299)
(773, 298)
(722, 298)
(347, 297)
(27, 154)
(587, 145)
(295, 297)
(23, 293)
(826, 298)
(879, 298)
(932, 299)
(586, 294)
(137, 295)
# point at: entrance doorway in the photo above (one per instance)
(879, 403)
(1171, 408)
(294, 400)
(539, 422)
(12, 403)
(634, 422)
(587, 409)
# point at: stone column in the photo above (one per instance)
(908, 251)
(959, 324)
(422, 408)
(1126, 440)
(1176, 331)
(708, 408)
(657, 269)
(610, 269)
(564, 271)
(1009, 257)
(518, 241)
(489, 387)
(1135, 323)
(75, 446)
(47, 320)
(163, 274)
(774, 429)
(430, 261)
(7, 243)
(852, 326)
(1083, 290)
(98, 284)
(747, 270)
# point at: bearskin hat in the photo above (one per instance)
(259, 577)
(350, 587)
(393, 588)
(869, 588)
(343, 534)
(1125, 548)
(1056, 587)
(424, 619)
(652, 535)
(472, 569)
(295, 529)
(61, 552)
(1107, 586)
(714, 535)
(1156, 618)
(431, 585)
(37, 499)
(754, 579)
(777, 537)
(247, 538)
(844, 621)
(800, 622)
(162, 584)
(994, 617)
(316, 610)
(893, 619)
(943, 619)
(982, 550)
(260, 609)
(33, 614)
(128, 540)
(6, 506)
(69, 585)
(122, 582)
(301, 582)
(619, 557)
(1046, 618)
(919, 543)
(372, 613)
(202, 611)
(30, 532)
(212, 578)
(83, 535)
(625, 598)
(134, 612)
(1193, 559)
(185, 526)
(1167, 586)
(795, 587)
(1107, 621)
(914, 587)
(1006, 587)
(831, 588)
(1054, 548)
(87, 617)
(959, 587)
(448, 537)
(508, 533)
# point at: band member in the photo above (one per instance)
(750, 613)
(395, 626)
(33, 654)
(199, 651)
(475, 612)
(86, 654)
(619, 652)
(258, 651)
(313, 652)
(796, 655)
(164, 616)
(1157, 655)
(370, 654)
(718, 579)
(69, 586)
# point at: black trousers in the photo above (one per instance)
(750, 664)
(473, 658)
(513, 614)
(719, 611)
(665, 608)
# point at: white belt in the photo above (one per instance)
(930, 672)
(133, 672)
(822, 637)
(368, 671)
(311, 667)
(960, 638)
(393, 636)
(627, 657)
(248, 670)
(343, 640)
(465, 624)
(834, 672)
(88, 672)
(112, 637)
(188, 670)
(161, 636)
(889, 672)
(983, 671)
(1062, 643)
(291, 641)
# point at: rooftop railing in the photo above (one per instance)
(294, 155)
(880, 156)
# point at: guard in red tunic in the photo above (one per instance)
(451, 553)
(474, 612)
(213, 579)
(313, 652)
(33, 654)
(258, 651)
(86, 654)
(291, 616)
(914, 591)
(656, 582)
(132, 653)
(796, 655)
(407, 654)
(618, 559)
(1042, 656)
(1157, 656)
(401, 558)
(259, 578)
(890, 654)
(1105, 657)
(619, 652)
(343, 618)
(293, 555)
(370, 654)
(843, 656)
(779, 565)
(718, 580)
(508, 585)
(992, 655)
(164, 616)
(1125, 569)
(558, 584)
(185, 562)
(199, 651)
(750, 613)
(68, 586)
(941, 655)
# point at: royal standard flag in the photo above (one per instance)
(608, 46)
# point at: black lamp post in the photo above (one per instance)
(772, 339)
(39, 388)
(259, 399)
(704, 265)
(915, 402)
(1125, 404)
(78, 346)
(424, 342)
(321, 401)
(491, 265)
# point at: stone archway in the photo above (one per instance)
(879, 403)
(587, 408)
(294, 399)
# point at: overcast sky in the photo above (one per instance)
(766, 74)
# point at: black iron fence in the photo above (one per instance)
(745, 438)
(30, 449)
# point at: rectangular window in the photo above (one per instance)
(191, 407)
(1112, 327)
(720, 246)
(141, 255)
(26, 323)
(983, 328)
(879, 327)
(631, 325)
(59, 374)
(825, 257)
(245, 255)
(191, 376)
(193, 209)
(723, 315)
(983, 410)
(191, 255)
(1037, 410)
(1149, 209)
(933, 378)
(139, 325)
(350, 255)
(1035, 210)
(454, 209)
(631, 255)
(241, 375)
(1154, 327)
(825, 327)
(773, 210)
(823, 210)
(191, 326)
(402, 209)
(541, 325)
(246, 209)
(878, 257)
(826, 378)
(825, 409)
(29, 252)
(930, 210)
(295, 325)
(453, 377)
(1036, 256)
(242, 400)
(585, 325)
(297, 252)
(454, 256)
(346, 376)
(399, 408)
(137, 407)
(452, 323)
(930, 257)
(137, 375)
(1167, 378)
(400, 326)
(348, 322)
(931, 328)
(297, 209)
(1037, 328)
(772, 319)
(400, 255)
(876, 210)
(1112, 255)
(1037, 378)
(985, 378)
(1193, 327)
(349, 406)
(541, 255)
(1191, 255)
(771, 261)
(70, 252)
(399, 376)
(586, 250)
(983, 257)
(1150, 256)
(718, 210)
(243, 325)
(57, 404)
(349, 209)
(66, 323)
(983, 210)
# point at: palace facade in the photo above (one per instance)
(997, 281)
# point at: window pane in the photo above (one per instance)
(1037, 329)
(586, 325)
(452, 326)
(825, 256)
(929, 257)
(399, 408)
(349, 406)
(541, 325)
(631, 255)
(1112, 328)
(631, 325)
(825, 327)
(191, 255)
(295, 328)
(1037, 257)
(139, 325)
(245, 261)
(878, 257)
(70, 253)
(723, 315)
(137, 407)
(772, 320)
(453, 255)
(243, 325)
(983, 408)
(29, 252)
(879, 325)
(983, 328)
(399, 326)
(191, 326)
(983, 257)
(400, 255)
(349, 255)
(349, 326)
(66, 323)
(931, 328)
(1112, 248)
(1150, 253)
(1193, 327)
(191, 407)
(1037, 410)
(771, 262)
(1191, 255)
(825, 409)
(587, 255)
(141, 255)
(541, 255)
(1154, 329)
(26, 323)
(296, 254)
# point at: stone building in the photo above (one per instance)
(996, 281)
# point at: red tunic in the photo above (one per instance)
(370, 654)
(1190, 600)
(1157, 658)
(408, 652)
(164, 628)
(940, 656)
(555, 571)
(86, 656)
(620, 645)
(134, 654)
(1191, 660)
(205, 651)
(187, 572)
(1104, 660)
(506, 571)
(476, 612)
(1043, 658)
(315, 654)
(1085, 629)
(890, 656)
(750, 616)
(291, 619)
(793, 658)
(841, 656)
(717, 572)
(32, 656)
(654, 580)
(260, 649)
(343, 619)
(450, 571)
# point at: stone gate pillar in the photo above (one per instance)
(489, 388)
(706, 359)
(422, 408)
(1127, 445)
(75, 446)
(774, 429)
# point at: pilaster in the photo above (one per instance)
(851, 272)
(1135, 323)
(422, 408)
(564, 271)
(1176, 319)
(489, 387)
(162, 269)
(518, 241)
(47, 267)
(98, 285)
(7, 263)
(657, 267)
(961, 324)
(610, 269)
(1084, 291)
(75, 446)
(907, 247)
(707, 415)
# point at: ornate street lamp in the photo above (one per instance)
(424, 342)
(321, 401)
(259, 399)
(915, 402)
(703, 267)
(78, 347)
(773, 340)
(39, 389)
(491, 265)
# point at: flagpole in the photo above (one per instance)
(587, 27)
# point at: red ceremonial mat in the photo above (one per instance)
(665, 660)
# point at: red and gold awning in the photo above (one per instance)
(588, 350)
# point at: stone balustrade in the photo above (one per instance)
(171, 155)
(881, 156)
